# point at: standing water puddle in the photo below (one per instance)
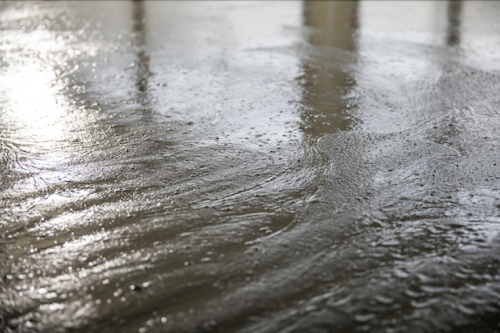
(249, 166)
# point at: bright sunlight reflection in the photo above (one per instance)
(34, 109)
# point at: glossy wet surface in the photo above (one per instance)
(249, 166)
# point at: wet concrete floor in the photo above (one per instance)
(250, 166)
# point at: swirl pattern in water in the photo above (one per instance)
(249, 166)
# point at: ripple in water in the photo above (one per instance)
(270, 167)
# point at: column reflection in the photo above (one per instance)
(454, 19)
(327, 84)
(139, 28)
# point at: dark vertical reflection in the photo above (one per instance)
(454, 18)
(139, 28)
(338, 19)
(327, 84)
(448, 85)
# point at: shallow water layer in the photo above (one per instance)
(249, 166)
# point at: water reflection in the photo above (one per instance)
(337, 22)
(328, 79)
(454, 18)
(139, 29)
(219, 216)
